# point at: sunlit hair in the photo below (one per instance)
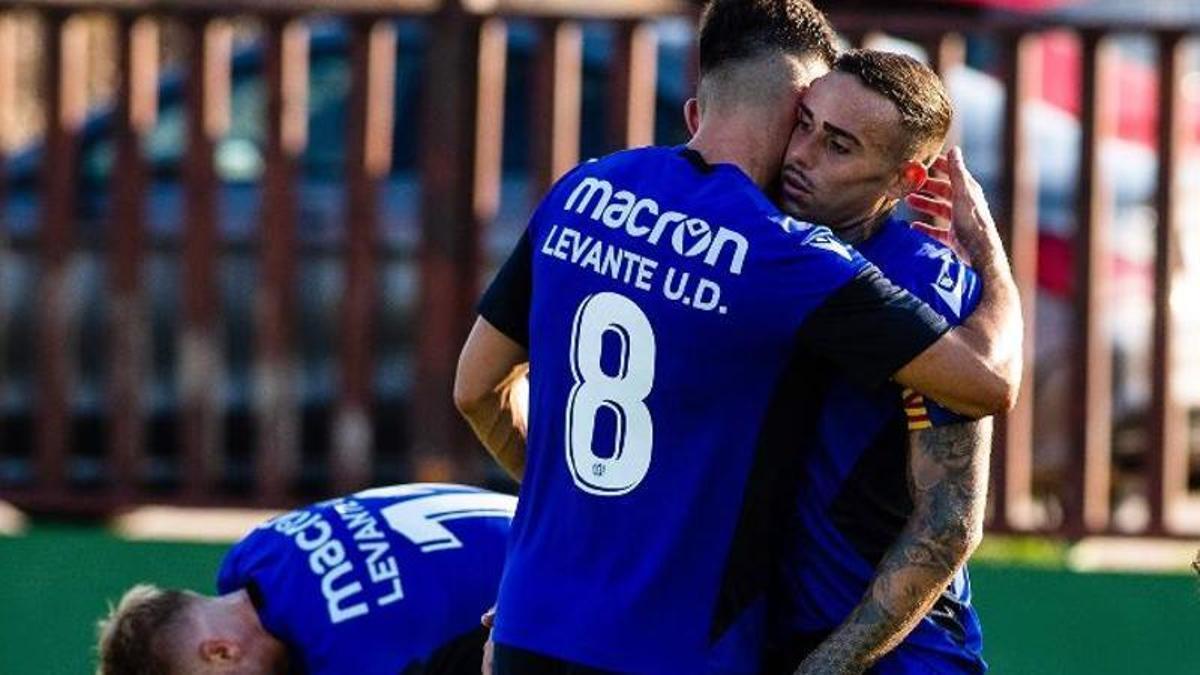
(917, 92)
(735, 30)
(134, 635)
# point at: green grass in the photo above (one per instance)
(1040, 621)
(1038, 617)
(1023, 551)
(59, 581)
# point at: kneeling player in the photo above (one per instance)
(390, 580)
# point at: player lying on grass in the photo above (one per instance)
(659, 298)
(385, 581)
(891, 488)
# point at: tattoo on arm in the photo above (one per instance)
(948, 480)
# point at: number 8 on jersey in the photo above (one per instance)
(623, 394)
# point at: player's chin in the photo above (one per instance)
(795, 203)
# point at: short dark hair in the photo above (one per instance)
(917, 92)
(132, 636)
(733, 30)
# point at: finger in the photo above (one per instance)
(941, 234)
(940, 166)
(938, 187)
(960, 178)
(936, 208)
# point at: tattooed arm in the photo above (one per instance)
(948, 479)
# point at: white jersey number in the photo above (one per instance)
(420, 519)
(623, 394)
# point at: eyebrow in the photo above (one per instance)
(835, 130)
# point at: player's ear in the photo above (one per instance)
(218, 651)
(913, 175)
(691, 114)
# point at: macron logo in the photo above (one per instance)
(828, 242)
(644, 218)
(817, 237)
(950, 286)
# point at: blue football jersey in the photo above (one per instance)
(661, 298)
(853, 496)
(379, 581)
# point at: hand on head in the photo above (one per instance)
(933, 202)
(955, 208)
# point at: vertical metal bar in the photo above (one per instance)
(1167, 466)
(1012, 452)
(947, 52)
(136, 106)
(286, 71)
(8, 92)
(488, 113)
(1087, 505)
(368, 155)
(65, 101)
(200, 353)
(464, 124)
(634, 76)
(557, 99)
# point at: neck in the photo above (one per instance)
(743, 141)
(858, 231)
(249, 627)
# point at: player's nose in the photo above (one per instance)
(800, 150)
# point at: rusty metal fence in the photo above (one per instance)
(460, 174)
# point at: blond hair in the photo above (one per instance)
(132, 637)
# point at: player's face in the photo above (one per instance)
(842, 164)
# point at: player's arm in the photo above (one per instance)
(976, 368)
(490, 385)
(948, 480)
(487, 391)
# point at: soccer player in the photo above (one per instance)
(388, 580)
(892, 488)
(659, 297)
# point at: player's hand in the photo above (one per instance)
(934, 203)
(973, 226)
(489, 618)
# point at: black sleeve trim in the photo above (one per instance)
(506, 302)
(870, 328)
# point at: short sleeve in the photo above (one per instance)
(507, 300)
(870, 328)
(952, 289)
(230, 577)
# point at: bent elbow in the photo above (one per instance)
(968, 535)
(1007, 390)
(961, 538)
(973, 540)
(468, 398)
(1002, 399)
(999, 396)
